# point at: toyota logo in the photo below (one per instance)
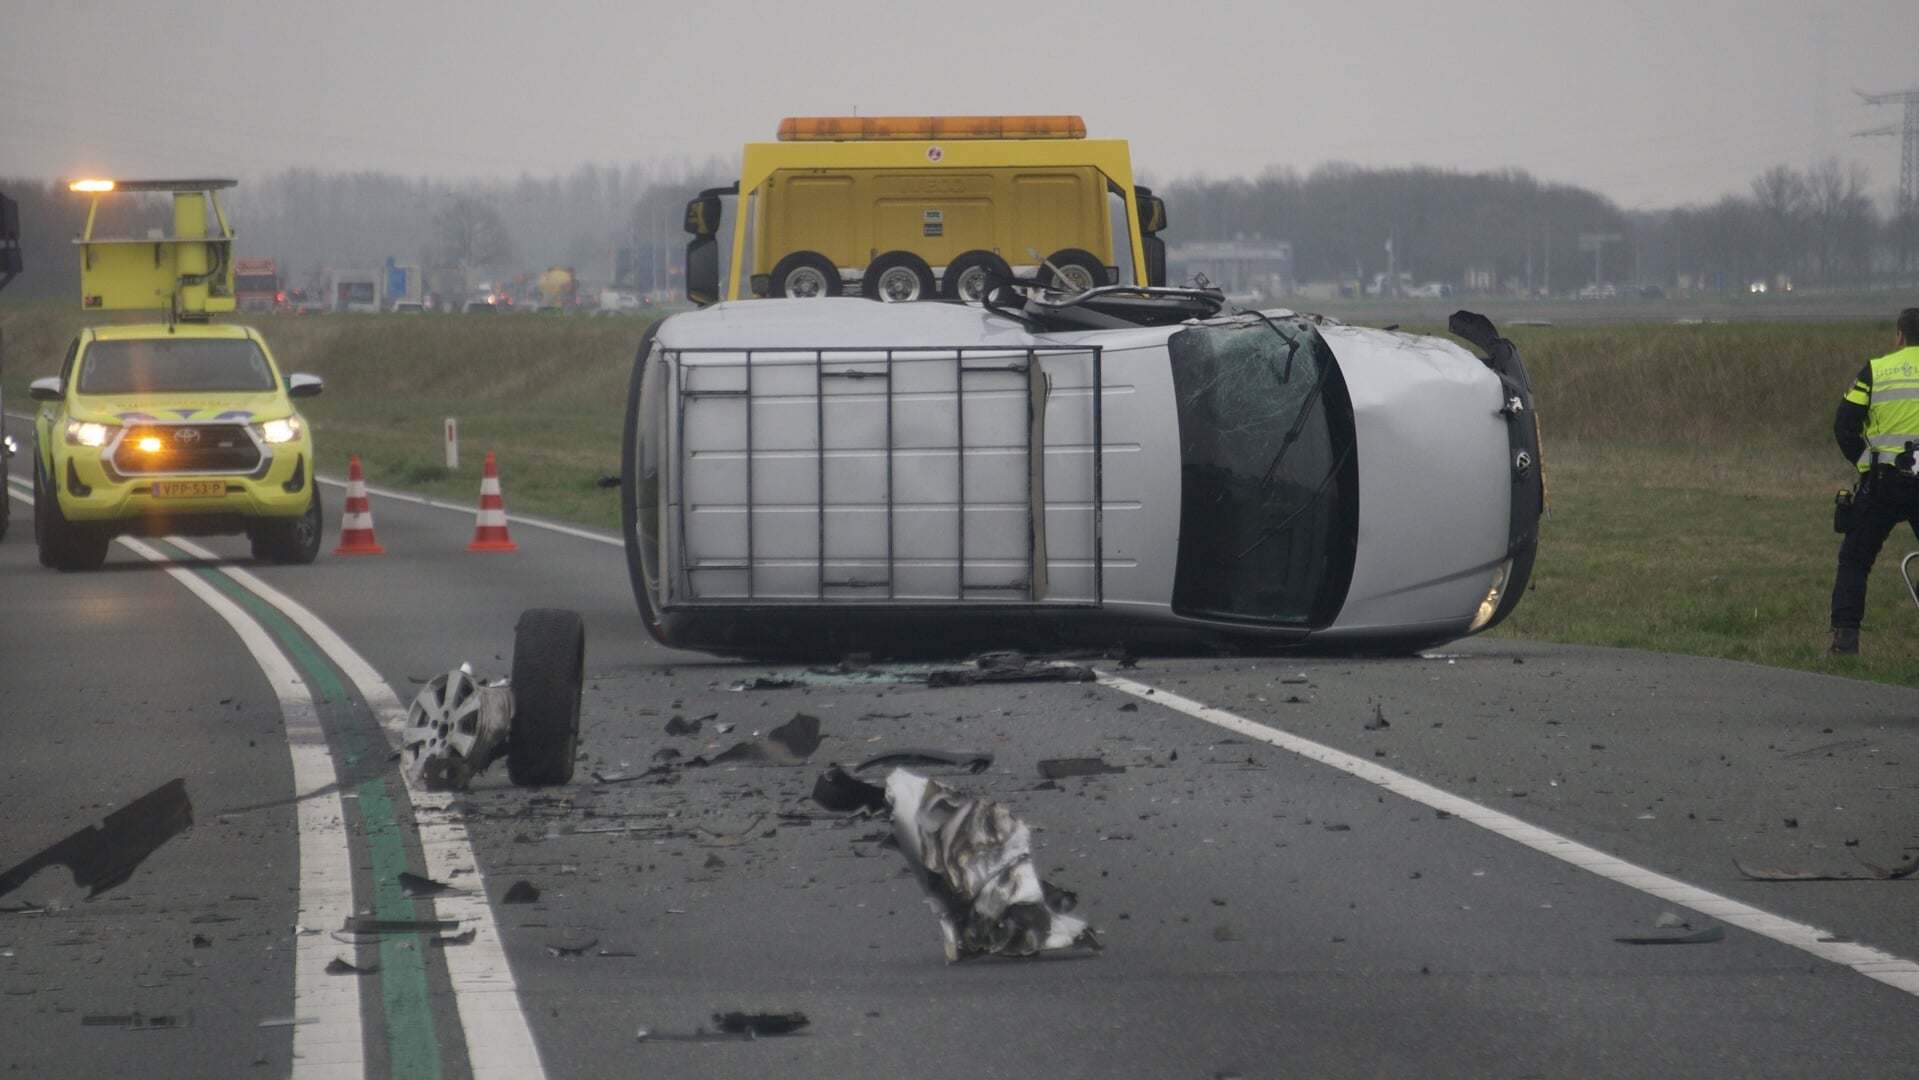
(186, 435)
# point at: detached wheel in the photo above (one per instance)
(969, 277)
(805, 275)
(897, 277)
(295, 541)
(549, 669)
(1077, 271)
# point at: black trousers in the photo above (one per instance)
(1885, 500)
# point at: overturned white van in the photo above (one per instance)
(1135, 468)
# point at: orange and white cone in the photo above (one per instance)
(356, 521)
(489, 532)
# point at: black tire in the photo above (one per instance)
(63, 544)
(970, 276)
(897, 277)
(290, 542)
(806, 274)
(1081, 270)
(549, 669)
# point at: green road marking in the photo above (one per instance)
(413, 1050)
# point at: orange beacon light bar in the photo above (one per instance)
(882, 128)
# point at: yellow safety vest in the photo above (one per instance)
(1892, 415)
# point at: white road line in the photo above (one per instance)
(1874, 964)
(334, 1045)
(499, 1041)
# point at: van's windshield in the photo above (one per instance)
(1268, 506)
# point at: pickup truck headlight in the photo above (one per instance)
(87, 433)
(284, 430)
(1494, 594)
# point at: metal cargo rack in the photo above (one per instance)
(915, 476)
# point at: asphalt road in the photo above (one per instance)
(1415, 867)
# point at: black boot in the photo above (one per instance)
(1844, 642)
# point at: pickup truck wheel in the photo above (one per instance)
(1078, 271)
(64, 545)
(549, 668)
(972, 274)
(293, 542)
(897, 277)
(806, 274)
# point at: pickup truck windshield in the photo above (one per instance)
(174, 366)
(1268, 505)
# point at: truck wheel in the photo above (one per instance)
(897, 277)
(972, 274)
(64, 545)
(806, 274)
(1078, 271)
(295, 541)
(549, 668)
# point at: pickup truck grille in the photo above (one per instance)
(186, 449)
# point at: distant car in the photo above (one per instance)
(1126, 466)
(158, 429)
(1599, 290)
(477, 307)
(408, 307)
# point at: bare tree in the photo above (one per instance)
(468, 233)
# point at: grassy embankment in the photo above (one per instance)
(1690, 468)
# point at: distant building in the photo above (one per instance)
(1241, 266)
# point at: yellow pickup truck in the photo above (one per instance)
(178, 426)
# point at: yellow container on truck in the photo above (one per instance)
(909, 208)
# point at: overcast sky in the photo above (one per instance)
(1652, 103)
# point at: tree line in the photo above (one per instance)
(1492, 231)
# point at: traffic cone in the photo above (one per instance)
(489, 532)
(356, 521)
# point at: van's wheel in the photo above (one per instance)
(549, 670)
(897, 277)
(970, 276)
(1077, 271)
(63, 544)
(293, 541)
(806, 274)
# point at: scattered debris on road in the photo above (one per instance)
(753, 1025)
(104, 855)
(1671, 929)
(1007, 667)
(138, 1021)
(341, 966)
(413, 886)
(789, 744)
(973, 761)
(1060, 768)
(974, 860)
(841, 792)
(1870, 873)
(521, 892)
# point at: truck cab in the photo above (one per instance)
(913, 208)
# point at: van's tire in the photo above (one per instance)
(549, 670)
(806, 274)
(290, 541)
(1078, 271)
(970, 276)
(897, 277)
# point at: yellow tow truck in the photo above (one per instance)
(179, 426)
(898, 208)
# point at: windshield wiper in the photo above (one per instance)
(1271, 531)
